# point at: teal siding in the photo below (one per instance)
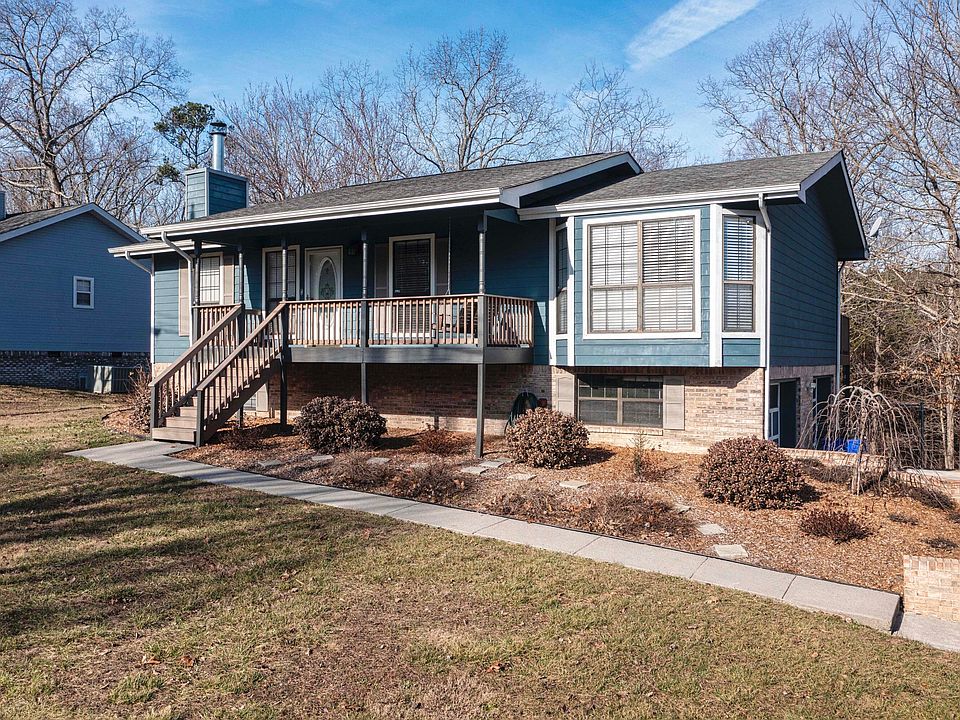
(36, 291)
(741, 352)
(168, 344)
(195, 194)
(561, 352)
(803, 302)
(630, 352)
(208, 192)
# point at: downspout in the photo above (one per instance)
(761, 202)
(129, 258)
(170, 244)
(836, 384)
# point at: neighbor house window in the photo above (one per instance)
(642, 276)
(630, 400)
(83, 292)
(210, 280)
(739, 261)
(562, 278)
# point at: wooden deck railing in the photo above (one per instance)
(248, 360)
(177, 382)
(431, 320)
(210, 315)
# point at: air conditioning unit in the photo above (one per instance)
(108, 379)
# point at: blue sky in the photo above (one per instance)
(667, 44)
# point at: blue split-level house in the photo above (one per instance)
(66, 306)
(690, 304)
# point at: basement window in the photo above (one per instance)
(82, 292)
(629, 400)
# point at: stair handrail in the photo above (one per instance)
(185, 369)
(275, 343)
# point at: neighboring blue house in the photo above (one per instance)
(689, 305)
(66, 305)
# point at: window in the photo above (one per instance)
(210, 280)
(274, 277)
(411, 267)
(563, 273)
(620, 400)
(642, 276)
(739, 256)
(82, 292)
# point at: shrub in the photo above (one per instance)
(353, 470)
(332, 424)
(249, 438)
(534, 505)
(440, 442)
(140, 396)
(646, 466)
(547, 438)
(839, 525)
(433, 482)
(750, 473)
(633, 514)
(902, 519)
(940, 543)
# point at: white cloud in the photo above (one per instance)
(681, 25)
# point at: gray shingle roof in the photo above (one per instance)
(716, 177)
(504, 176)
(16, 221)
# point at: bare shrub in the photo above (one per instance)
(250, 438)
(632, 514)
(434, 482)
(929, 496)
(902, 519)
(441, 442)
(839, 525)
(548, 438)
(645, 464)
(535, 505)
(954, 517)
(750, 473)
(140, 397)
(940, 543)
(354, 471)
(332, 424)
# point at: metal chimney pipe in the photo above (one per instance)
(218, 131)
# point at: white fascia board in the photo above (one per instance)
(380, 207)
(511, 196)
(101, 214)
(778, 192)
(818, 175)
(158, 248)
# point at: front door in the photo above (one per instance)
(324, 274)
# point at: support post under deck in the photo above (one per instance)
(284, 335)
(364, 325)
(482, 328)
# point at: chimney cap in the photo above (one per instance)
(218, 128)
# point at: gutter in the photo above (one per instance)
(130, 258)
(761, 202)
(836, 385)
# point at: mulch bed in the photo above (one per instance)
(772, 537)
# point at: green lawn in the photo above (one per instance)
(132, 595)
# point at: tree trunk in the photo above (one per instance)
(949, 434)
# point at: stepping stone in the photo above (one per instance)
(730, 552)
(573, 484)
(378, 461)
(269, 463)
(681, 508)
(491, 464)
(521, 477)
(474, 470)
(502, 460)
(322, 459)
(419, 465)
(711, 529)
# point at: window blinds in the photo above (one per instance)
(739, 251)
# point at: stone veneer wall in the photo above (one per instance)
(61, 370)
(931, 586)
(718, 402)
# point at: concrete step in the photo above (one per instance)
(175, 434)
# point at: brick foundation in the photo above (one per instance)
(931, 586)
(62, 370)
(719, 403)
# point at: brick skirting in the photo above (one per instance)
(931, 586)
(66, 370)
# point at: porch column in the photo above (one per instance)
(364, 328)
(241, 324)
(195, 332)
(482, 328)
(284, 337)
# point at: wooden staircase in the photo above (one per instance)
(218, 374)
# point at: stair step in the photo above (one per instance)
(174, 434)
(188, 411)
(183, 421)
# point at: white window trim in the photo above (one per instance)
(432, 237)
(638, 217)
(222, 271)
(771, 411)
(293, 250)
(91, 280)
(325, 250)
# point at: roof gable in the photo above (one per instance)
(27, 222)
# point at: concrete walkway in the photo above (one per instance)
(877, 609)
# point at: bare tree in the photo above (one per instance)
(607, 115)
(62, 74)
(466, 105)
